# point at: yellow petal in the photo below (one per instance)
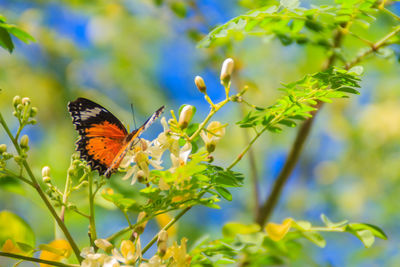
(163, 220)
(10, 247)
(58, 245)
(127, 248)
(278, 231)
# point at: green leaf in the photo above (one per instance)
(315, 237)
(348, 90)
(20, 34)
(119, 200)
(52, 249)
(5, 40)
(25, 247)
(331, 224)
(304, 225)
(366, 236)
(376, 231)
(288, 123)
(15, 228)
(224, 193)
(231, 229)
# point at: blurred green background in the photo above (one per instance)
(144, 52)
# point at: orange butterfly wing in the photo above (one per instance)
(104, 141)
(102, 135)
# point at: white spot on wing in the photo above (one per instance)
(90, 113)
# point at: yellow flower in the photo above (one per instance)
(278, 231)
(129, 252)
(55, 251)
(179, 254)
(10, 247)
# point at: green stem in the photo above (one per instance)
(41, 193)
(166, 227)
(65, 196)
(324, 229)
(92, 228)
(31, 259)
(240, 156)
(9, 173)
(209, 116)
(374, 47)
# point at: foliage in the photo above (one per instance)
(301, 97)
(291, 23)
(278, 244)
(5, 34)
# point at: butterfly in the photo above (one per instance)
(104, 141)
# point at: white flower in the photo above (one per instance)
(215, 131)
(92, 259)
(182, 157)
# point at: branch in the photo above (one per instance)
(26, 258)
(41, 193)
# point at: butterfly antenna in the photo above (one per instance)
(133, 115)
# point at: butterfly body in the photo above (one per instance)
(104, 141)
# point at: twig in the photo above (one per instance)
(31, 259)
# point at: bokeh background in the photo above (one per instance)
(144, 52)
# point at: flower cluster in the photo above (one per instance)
(178, 137)
(130, 252)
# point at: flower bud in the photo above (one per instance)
(3, 148)
(215, 131)
(18, 159)
(46, 180)
(103, 244)
(162, 236)
(162, 242)
(210, 147)
(186, 116)
(141, 176)
(140, 228)
(200, 84)
(226, 71)
(16, 100)
(33, 112)
(26, 101)
(45, 171)
(24, 141)
(20, 107)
